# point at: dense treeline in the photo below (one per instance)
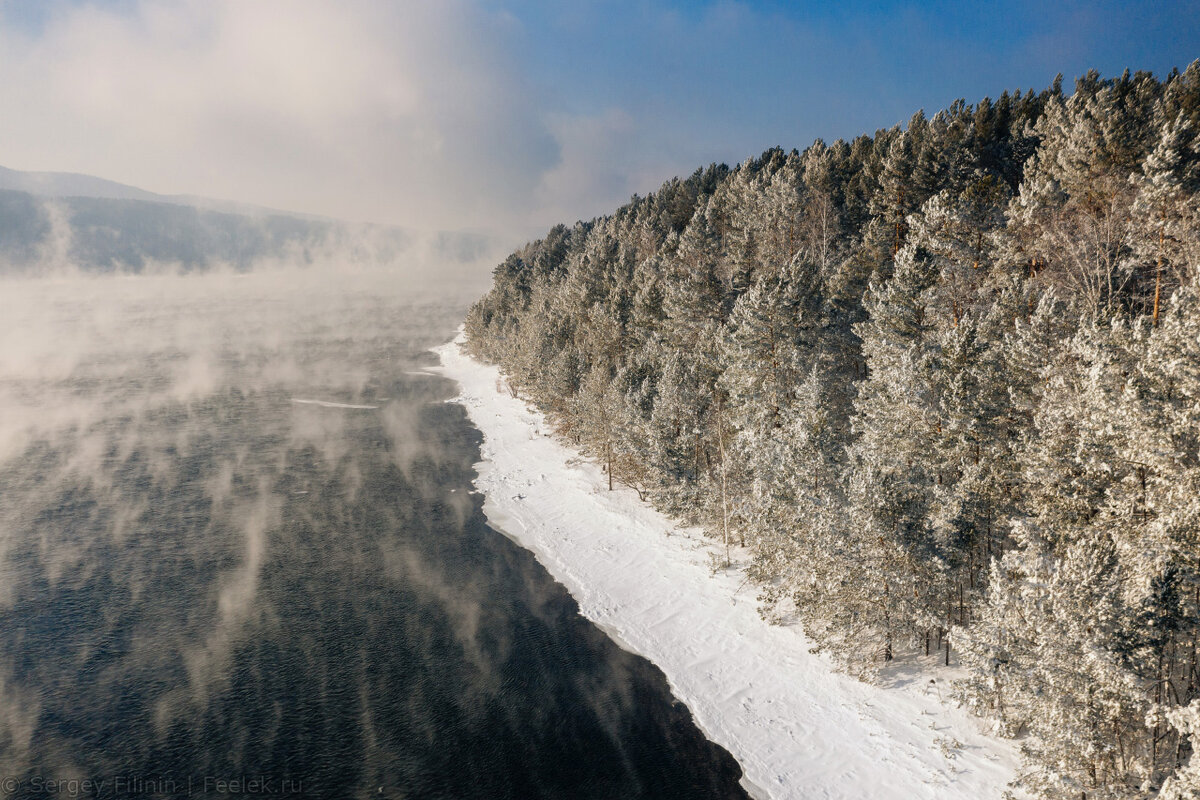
(943, 383)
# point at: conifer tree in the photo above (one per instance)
(942, 381)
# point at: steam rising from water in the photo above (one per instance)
(163, 340)
(167, 407)
(237, 537)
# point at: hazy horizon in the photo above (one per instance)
(507, 117)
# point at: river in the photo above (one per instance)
(241, 555)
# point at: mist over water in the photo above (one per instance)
(238, 539)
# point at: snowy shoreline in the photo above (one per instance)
(796, 727)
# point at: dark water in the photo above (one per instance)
(209, 589)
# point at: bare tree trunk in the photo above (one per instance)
(608, 452)
(899, 201)
(887, 623)
(1158, 272)
(724, 494)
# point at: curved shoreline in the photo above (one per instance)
(797, 727)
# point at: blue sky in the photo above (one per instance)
(510, 114)
(788, 72)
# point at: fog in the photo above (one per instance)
(414, 114)
(97, 372)
(203, 332)
(43, 236)
(149, 420)
(508, 116)
(238, 536)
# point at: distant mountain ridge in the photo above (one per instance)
(70, 184)
(50, 220)
(74, 184)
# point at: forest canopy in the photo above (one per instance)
(942, 383)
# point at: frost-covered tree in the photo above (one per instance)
(893, 463)
(943, 381)
(1074, 209)
(1166, 209)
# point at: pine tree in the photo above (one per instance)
(892, 469)
(944, 383)
(1168, 224)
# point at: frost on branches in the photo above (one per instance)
(943, 382)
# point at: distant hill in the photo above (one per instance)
(69, 184)
(57, 219)
(73, 184)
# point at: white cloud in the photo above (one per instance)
(594, 152)
(414, 113)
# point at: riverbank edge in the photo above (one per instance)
(797, 727)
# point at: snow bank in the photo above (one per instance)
(798, 728)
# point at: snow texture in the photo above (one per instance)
(798, 728)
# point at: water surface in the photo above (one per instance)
(240, 555)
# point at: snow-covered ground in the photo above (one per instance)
(798, 728)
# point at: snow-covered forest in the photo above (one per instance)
(942, 383)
